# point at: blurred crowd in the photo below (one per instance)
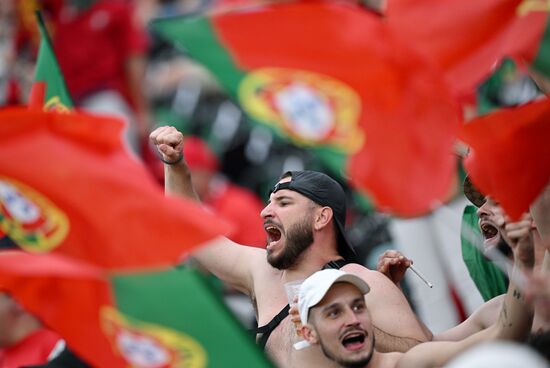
(114, 64)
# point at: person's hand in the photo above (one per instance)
(393, 264)
(520, 238)
(169, 143)
(295, 317)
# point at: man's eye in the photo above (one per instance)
(358, 307)
(333, 314)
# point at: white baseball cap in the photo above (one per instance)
(315, 287)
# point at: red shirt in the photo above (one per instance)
(33, 349)
(94, 45)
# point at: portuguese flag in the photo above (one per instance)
(329, 76)
(68, 185)
(509, 154)
(466, 39)
(162, 319)
(49, 91)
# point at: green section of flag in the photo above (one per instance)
(489, 279)
(542, 61)
(48, 71)
(198, 38)
(183, 301)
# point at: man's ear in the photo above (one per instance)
(309, 334)
(323, 217)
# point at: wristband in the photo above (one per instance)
(177, 161)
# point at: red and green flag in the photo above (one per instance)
(68, 185)
(509, 154)
(162, 319)
(328, 76)
(49, 91)
(466, 39)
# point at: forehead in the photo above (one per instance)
(340, 292)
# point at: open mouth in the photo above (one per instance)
(273, 234)
(354, 340)
(488, 230)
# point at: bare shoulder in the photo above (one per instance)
(372, 277)
(357, 269)
(390, 311)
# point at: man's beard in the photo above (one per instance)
(298, 238)
(346, 363)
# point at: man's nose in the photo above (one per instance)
(351, 318)
(267, 211)
(485, 209)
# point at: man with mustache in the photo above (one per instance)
(304, 224)
(492, 225)
(335, 316)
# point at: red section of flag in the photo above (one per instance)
(66, 295)
(467, 38)
(38, 93)
(509, 157)
(89, 198)
(407, 114)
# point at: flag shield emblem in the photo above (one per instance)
(310, 108)
(29, 218)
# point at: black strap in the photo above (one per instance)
(268, 328)
(339, 263)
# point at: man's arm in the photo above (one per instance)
(396, 326)
(231, 262)
(481, 319)
(515, 318)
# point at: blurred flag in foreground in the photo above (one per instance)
(466, 39)
(509, 154)
(68, 185)
(143, 320)
(49, 91)
(330, 77)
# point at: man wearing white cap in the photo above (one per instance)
(335, 316)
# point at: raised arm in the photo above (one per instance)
(231, 262)
(515, 318)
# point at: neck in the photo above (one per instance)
(311, 261)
